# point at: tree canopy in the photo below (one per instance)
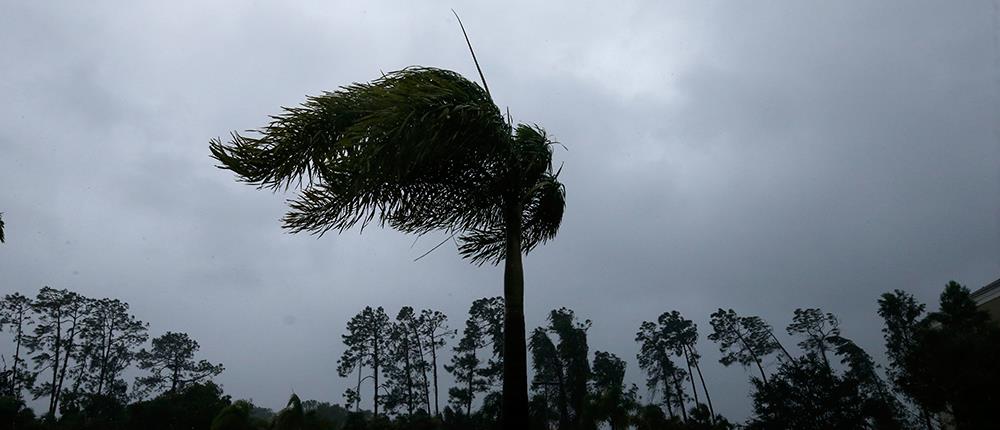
(419, 149)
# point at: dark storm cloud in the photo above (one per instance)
(761, 157)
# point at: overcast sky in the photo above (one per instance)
(762, 156)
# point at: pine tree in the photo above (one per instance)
(111, 339)
(16, 315)
(171, 364)
(366, 344)
(483, 329)
(60, 316)
(435, 332)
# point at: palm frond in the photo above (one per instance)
(420, 149)
(544, 211)
(541, 218)
(414, 148)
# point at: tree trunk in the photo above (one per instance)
(680, 396)
(780, 345)
(55, 366)
(175, 378)
(15, 390)
(761, 368)
(409, 378)
(423, 368)
(437, 412)
(514, 411)
(375, 364)
(105, 360)
(357, 394)
(687, 359)
(66, 353)
(667, 397)
(822, 353)
(753, 354)
(563, 407)
(704, 388)
(468, 401)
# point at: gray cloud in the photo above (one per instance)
(761, 157)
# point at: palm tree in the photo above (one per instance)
(420, 150)
(1, 227)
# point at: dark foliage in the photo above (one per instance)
(950, 367)
(562, 371)
(171, 364)
(193, 407)
(941, 364)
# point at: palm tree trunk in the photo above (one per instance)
(515, 370)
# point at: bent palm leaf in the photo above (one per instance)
(421, 149)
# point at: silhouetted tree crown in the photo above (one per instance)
(171, 364)
(420, 149)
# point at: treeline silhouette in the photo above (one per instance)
(942, 371)
(74, 351)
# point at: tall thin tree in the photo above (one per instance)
(818, 330)
(59, 315)
(654, 358)
(16, 315)
(743, 339)
(483, 329)
(111, 336)
(367, 341)
(680, 335)
(404, 362)
(435, 330)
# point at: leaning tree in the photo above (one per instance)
(419, 150)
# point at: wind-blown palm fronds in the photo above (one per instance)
(420, 149)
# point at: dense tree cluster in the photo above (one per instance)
(74, 351)
(942, 371)
(828, 382)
